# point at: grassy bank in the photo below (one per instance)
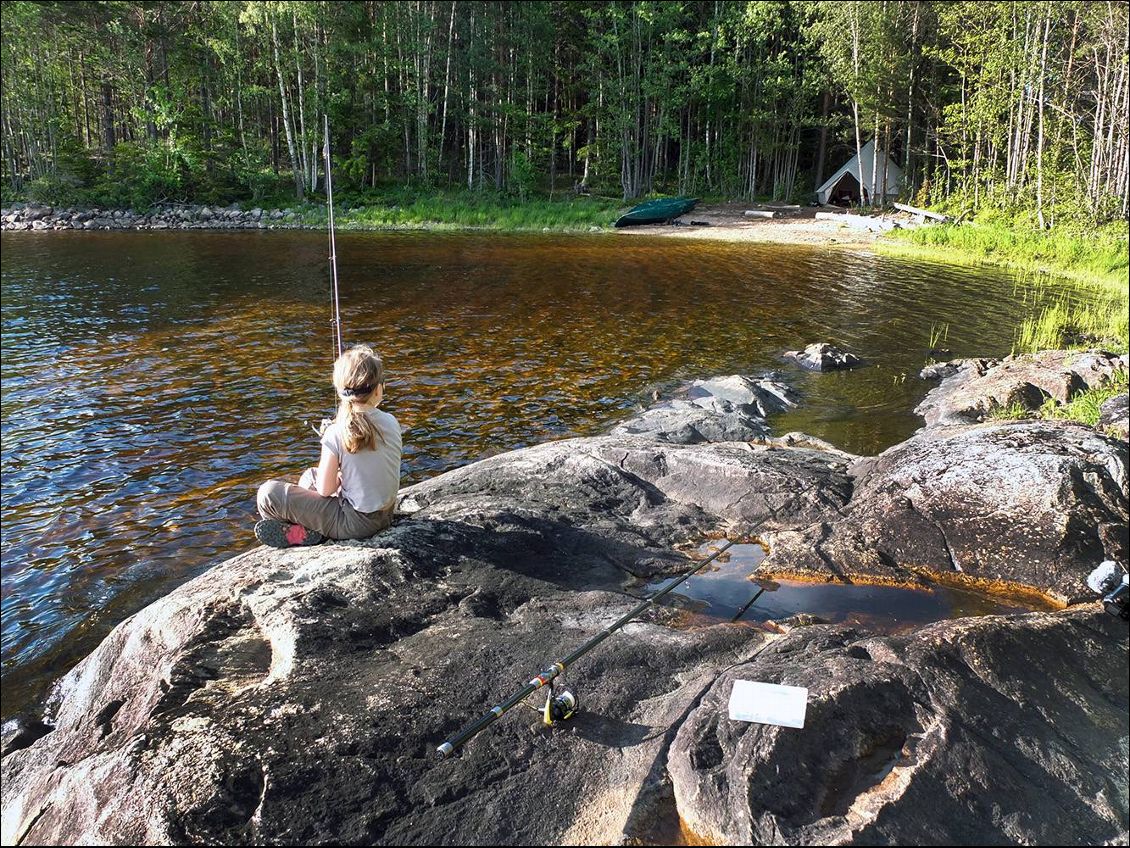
(442, 210)
(1095, 308)
(1083, 407)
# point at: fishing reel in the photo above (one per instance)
(558, 707)
(1112, 583)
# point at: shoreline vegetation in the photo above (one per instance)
(1095, 312)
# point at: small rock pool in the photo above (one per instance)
(730, 589)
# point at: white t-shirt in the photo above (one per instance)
(370, 479)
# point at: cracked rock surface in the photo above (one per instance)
(967, 732)
(721, 409)
(1114, 417)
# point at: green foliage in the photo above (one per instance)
(1100, 254)
(523, 179)
(1012, 412)
(222, 101)
(416, 209)
(58, 188)
(1085, 407)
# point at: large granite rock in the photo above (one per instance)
(298, 696)
(684, 422)
(1036, 503)
(1114, 417)
(989, 731)
(972, 389)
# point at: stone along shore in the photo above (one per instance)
(37, 218)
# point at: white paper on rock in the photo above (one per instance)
(768, 703)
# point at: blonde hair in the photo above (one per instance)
(358, 376)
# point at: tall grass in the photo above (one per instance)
(443, 210)
(1096, 255)
(1086, 406)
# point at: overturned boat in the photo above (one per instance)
(657, 211)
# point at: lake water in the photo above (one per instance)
(150, 382)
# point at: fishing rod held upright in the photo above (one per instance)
(336, 322)
(335, 302)
(564, 705)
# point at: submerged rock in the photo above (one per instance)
(821, 356)
(972, 389)
(721, 409)
(762, 396)
(972, 732)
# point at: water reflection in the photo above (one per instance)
(729, 589)
(151, 381)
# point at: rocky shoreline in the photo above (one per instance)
(38, 218)
(297, 696)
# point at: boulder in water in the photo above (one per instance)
(821, 356)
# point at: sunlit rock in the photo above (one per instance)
(973, 389)
(821, 356)
(971, 732)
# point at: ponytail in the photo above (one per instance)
(358, 376)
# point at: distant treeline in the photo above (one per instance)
(1018, 106)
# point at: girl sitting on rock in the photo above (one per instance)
(352, 492)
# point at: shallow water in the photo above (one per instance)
(730, 589)
(151, 381)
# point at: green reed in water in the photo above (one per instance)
(1070, 325)
(1093, 264)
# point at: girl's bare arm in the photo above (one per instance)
(328, 482)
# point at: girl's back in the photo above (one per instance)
(370, 478)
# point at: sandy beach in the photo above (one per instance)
(790, 225)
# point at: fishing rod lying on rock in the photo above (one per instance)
(561, 707)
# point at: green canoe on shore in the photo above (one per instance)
(657, 211)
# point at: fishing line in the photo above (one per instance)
(335, 300)
(335, 323)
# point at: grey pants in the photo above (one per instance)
(333, 517)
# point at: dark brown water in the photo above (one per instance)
(152, 381)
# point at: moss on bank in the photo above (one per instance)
(1095, 308)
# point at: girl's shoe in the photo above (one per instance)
(279, 534)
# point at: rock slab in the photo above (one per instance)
(722, 409)
(967, 732)
(298, 696)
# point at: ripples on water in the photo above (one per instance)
(151, 382)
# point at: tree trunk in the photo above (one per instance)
(295, 164)
(822, 149)
(108, 137)
(1040, 137)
